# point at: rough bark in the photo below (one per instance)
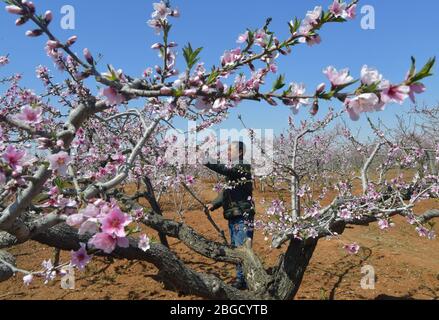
(5, 271)
(292, 267)
(173, 271)
(257, 278)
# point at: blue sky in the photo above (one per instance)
(118, 30)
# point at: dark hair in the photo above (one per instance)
(241, 146)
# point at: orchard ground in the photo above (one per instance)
(406, 266)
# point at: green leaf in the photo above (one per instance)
(279, 83)
(339, 88)
(413, 67)
(267, 24)
(425, 71)
(295, 25)
(60, 183)
(191, 55)
(212, 77)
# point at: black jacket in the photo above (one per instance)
(237, 198)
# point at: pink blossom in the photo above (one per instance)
(91, 211)
(312, 17)
(27, 279)
(112, 96)
(14, 157)
(59, 162)
(89, 226)
(104, 242)
(80, 258)
(296, 91)
(30, 115)
(313, 40)
(345, 214)
(42, 73)
(190, 180)
(352, 11)
(156, 25)
(114, 223)
(242, 38)
(370, 76)
(312, 233)
(220, 104)
(161, 10)
(144, 243)
(29, 97)
(416, 88)
(231, 57)
(394, 93)
(261, 38)
(4, 60)
(75, 220)
(203, 104)
(366, 102)
(353, 248)
(338, 78)
(123, 242)
(422, 231)
(338, 9)
(384, 224)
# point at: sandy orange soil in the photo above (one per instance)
(406, 266)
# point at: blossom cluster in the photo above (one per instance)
(108, 224)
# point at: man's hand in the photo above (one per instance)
(209, 207)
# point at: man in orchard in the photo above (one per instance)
(237, 200)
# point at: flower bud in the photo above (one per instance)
(53, 44)
(219, 85)
(71, 41)
(190, 92)
(30, 5)
(172, 44)
(48, 16)
(165, 91)
(205, 89)
(321, 88)
(175, 13)
(315, 108)
(15, 174)
(20, 21)
(88, 56)
(14, 10)
(156, 46)
(82, 75)
(271, 101)
(34, 33)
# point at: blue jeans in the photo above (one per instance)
(241, 229)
